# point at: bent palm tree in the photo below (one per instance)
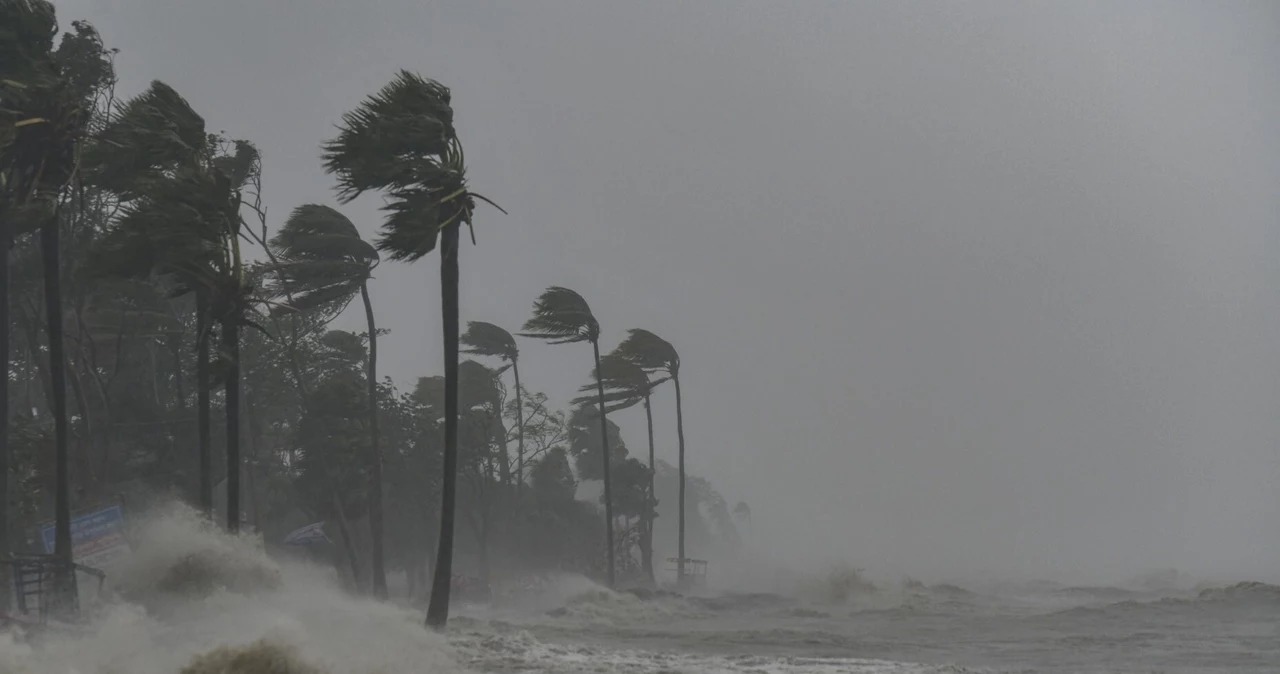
(319, 259)
(656, 354)
(401, 141)
(142, 146)
(562, 316)
(627, 384)
(487, 339)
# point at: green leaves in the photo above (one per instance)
(650, 352)
(625, 383)
(393, 139)
(154, 133)
(401, 140)
(487, 339)
(562, 316)
(320, 259)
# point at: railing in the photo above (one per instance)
(36, 587)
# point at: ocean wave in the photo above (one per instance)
(1239, 595)
(521, 652)
(228, 619)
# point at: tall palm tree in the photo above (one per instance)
(401, 141)
(487, 339)
(656, 354)
(562, 316)
(42, 122)
(319, 259)
(188, 225)
(627, 384)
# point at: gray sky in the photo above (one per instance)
(959, 287)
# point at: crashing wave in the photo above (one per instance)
(195, 600)
(1242, 593)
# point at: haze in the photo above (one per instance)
(960, 288)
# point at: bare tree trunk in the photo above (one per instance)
(5, 245)
(515, 370)
(203, 385)
(375, 486)
(231, 349)
(50, 254)
(680, 435)
(608, 479)
(438, 607)
(646, 536)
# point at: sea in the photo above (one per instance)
(191, 600)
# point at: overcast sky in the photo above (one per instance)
(958, 287)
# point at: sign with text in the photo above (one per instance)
(97, 538)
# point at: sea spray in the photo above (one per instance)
(194, 600)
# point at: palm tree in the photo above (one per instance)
(182, 220)
(140, 148)
(401, 141)
(656, 354)
(319, 259)
(627, 384)
(487, 339)
(188, 225)
(562, 316)
(42, 122)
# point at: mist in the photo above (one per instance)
(960, 289)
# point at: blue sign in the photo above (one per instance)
(312, 533)
(96, 537)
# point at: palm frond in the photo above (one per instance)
(385, 141)
(153, 133)
(487, 339)
(179, 229)
(317, 232)
(649, 351)
(561, 316)
(320, 259)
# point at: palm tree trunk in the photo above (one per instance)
(648, 517)
(5, 245)
(438, 608)
(604, 444)
(680, 435)
(50, 253)
(375, 486)
(231, 347)
(203, 434)
(515, 370)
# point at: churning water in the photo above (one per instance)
(192, 600)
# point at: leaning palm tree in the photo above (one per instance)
(401, 141)
(561, 316)
(656, 354)
(319, 260)
(42, 122)
(627, 384)
(142, 146)
(487, 339)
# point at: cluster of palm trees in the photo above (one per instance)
(180, 197)
(622, 379)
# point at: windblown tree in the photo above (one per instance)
(401, 141)
(487, 339)
(142, 146)
(181, 219)
(320, 259)
(562, 316)
(627, 384)
(655, 354)
(42, 123)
